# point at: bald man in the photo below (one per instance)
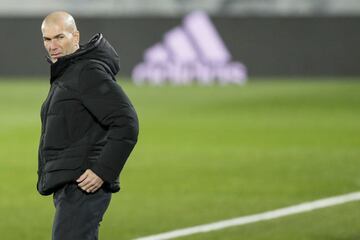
(89, 128)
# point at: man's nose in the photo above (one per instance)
(53, 45)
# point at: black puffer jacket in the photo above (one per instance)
(87, 120)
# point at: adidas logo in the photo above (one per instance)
(192, 52)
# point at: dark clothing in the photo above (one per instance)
(78, 214)
(88, 122)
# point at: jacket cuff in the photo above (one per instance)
(106, 174)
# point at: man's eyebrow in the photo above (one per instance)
(56, 36)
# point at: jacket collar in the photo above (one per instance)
(59, 67)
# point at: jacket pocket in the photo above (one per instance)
(57, 173)
(69, 158)
(56, 133)
(58, 165)
(61, 167)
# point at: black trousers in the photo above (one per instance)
(78, 214)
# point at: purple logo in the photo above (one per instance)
(189, 53)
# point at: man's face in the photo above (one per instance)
(58, 41)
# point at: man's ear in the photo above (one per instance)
(76, 35)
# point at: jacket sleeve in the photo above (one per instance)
(108, 103)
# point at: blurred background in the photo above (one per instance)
(283, 131)
(271, 37)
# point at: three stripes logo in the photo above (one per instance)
(192, 52)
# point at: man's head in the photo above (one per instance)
(60, 35)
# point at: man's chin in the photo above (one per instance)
(54, 59)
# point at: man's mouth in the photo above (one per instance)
(55, 55)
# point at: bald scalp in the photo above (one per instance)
(60, 18)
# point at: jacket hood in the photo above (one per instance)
(97, 48)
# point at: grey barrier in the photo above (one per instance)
(267, 46)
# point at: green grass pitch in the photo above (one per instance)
(205, 154)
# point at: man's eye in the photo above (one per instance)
(61, 37)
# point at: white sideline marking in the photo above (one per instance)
(282, 212)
